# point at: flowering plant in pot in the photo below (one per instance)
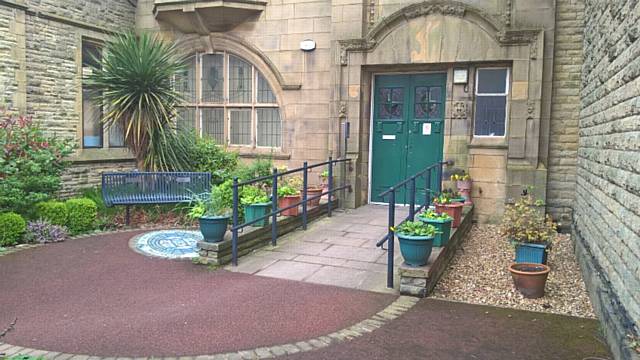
(288, 195)
(530, 231)
(463, 184)
(442, 223)
(256, 204)
(444, 204)
(212, 213)
(416, 241)
(455, 196)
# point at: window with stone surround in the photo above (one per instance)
(228, 99)
(492, 91)
(93, 132)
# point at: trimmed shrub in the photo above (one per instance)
(82, 215)
(42, 232)
(54, 212)
(12, 226)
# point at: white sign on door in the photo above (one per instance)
(388, 137)
(426, 129)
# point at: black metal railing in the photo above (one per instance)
(410, 185)
(275, 210)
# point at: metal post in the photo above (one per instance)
(440, 166)
(391, 237)
(234, 237)
(274, 208)
(330, 185)
(427, 190)
(412, 198)
(305, 180)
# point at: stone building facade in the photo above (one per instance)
(498, 86)
(607, 205)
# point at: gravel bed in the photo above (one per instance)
(479, 274)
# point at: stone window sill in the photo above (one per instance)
(488, 143)
(101, 155)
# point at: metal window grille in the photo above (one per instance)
(269, 127)
(213, 124)
(240, 126)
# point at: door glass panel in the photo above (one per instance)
(240, 127)
(212, 78)
(391, 102)
(213, 124)
(421, 102)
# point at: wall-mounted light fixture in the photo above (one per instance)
(307, 45)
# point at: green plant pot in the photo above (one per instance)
(256, 211)
(444, 230)
(213, 228)
(415, 249)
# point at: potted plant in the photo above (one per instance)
(529, 278)
(416, 241)
(463, 184)
(529, 230)
(324, 180)
(442, 223)
(289, 194)
(314, 192)
(212, 214)
(256, 204)
(444, 204)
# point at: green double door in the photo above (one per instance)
(407, 131)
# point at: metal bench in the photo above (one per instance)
(140, 188)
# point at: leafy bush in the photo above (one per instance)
(54, 212)
(41, 232)
(207, 156)
(286, 190)
(262, 166)
(30, 165)
(253, 195)
(12, 226)
(82, 215)
(416, 228)
(523, 222)
(432, 215)
(208, 204)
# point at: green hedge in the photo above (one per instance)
(12, 226)
(54, 212)
(81, 216)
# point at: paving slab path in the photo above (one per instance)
(96, 296)
(339, 251)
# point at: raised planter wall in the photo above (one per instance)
(420, 281)
(254, 238)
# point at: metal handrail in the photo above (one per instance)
(411, 181)
(275, 210)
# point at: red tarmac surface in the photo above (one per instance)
(97, 296)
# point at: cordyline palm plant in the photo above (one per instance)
(135, 88)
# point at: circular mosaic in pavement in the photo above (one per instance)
(171, 244)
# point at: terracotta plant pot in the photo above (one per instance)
(287, 201)
(530, 278)
(464, 188)
(313, 192)
(454, 210)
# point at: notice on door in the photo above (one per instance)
(426, 129)
(388, 137)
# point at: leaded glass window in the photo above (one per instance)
(233, 102)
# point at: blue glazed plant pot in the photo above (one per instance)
(444, 230)
(531, 253)
(415, 249)
(213, 228)
(256, 211)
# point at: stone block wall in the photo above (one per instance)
(11, 53)
(607, 211)
(565, 110)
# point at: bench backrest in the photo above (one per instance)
(130, 188)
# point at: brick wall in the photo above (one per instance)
(565, 109)
(607, 211)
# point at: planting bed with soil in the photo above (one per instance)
(479, 274)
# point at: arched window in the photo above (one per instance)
(228, 99)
